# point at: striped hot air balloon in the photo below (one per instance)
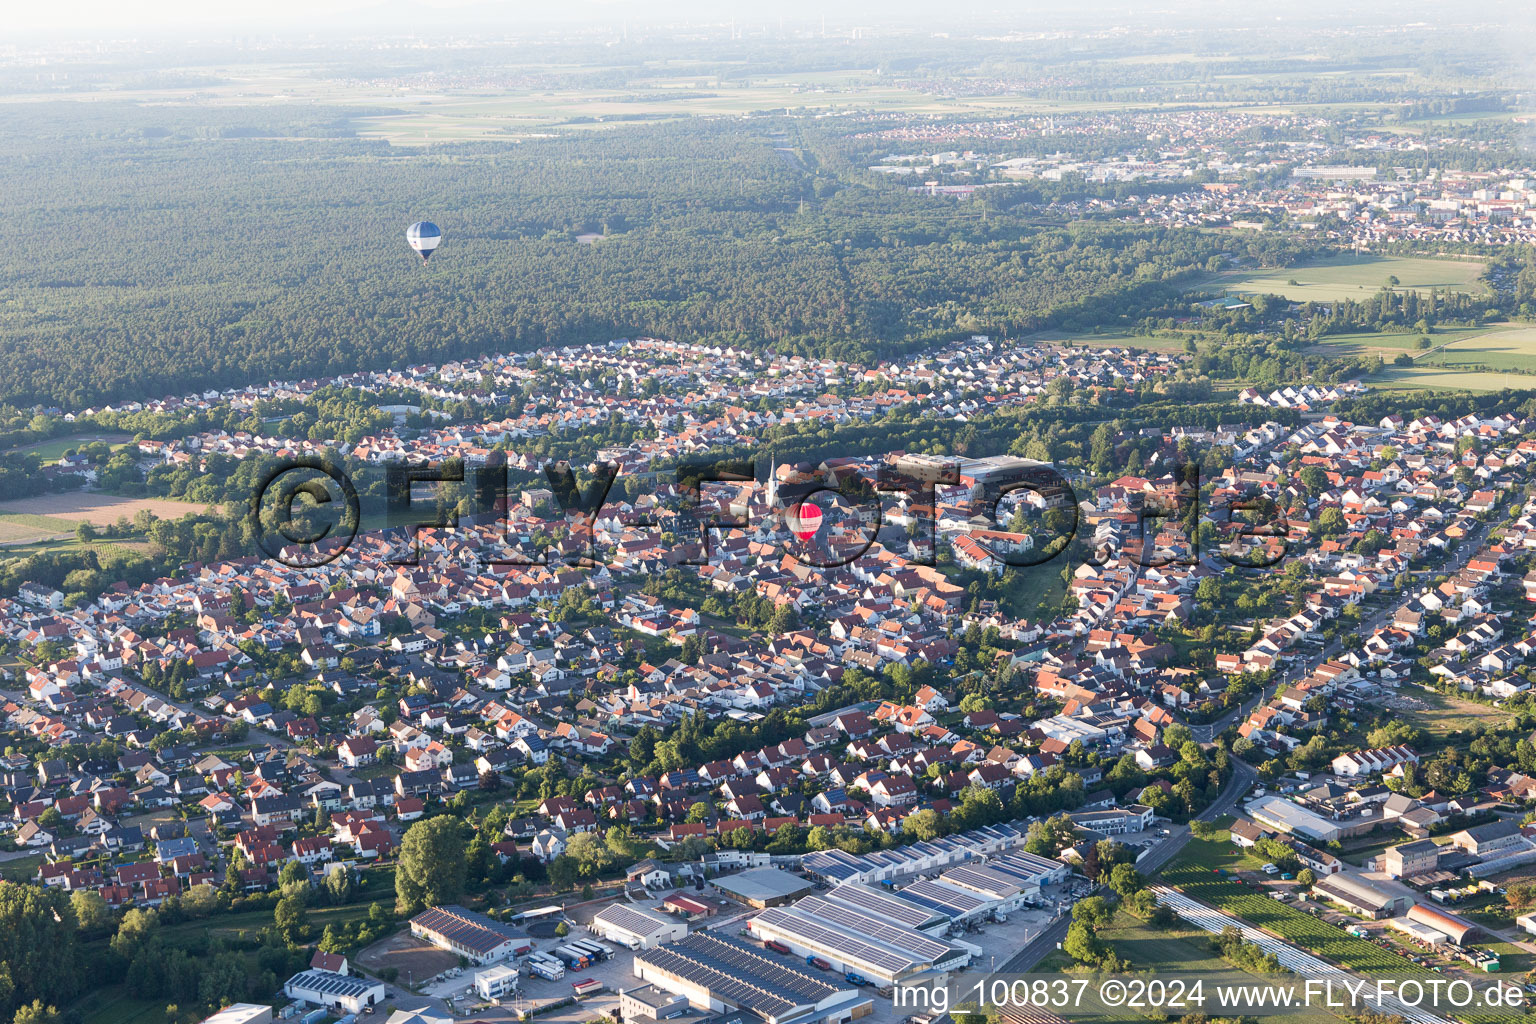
(424, 237)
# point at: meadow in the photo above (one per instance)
(1513, 349)
(1437, 378)
(1354, 277)
(1390, 344)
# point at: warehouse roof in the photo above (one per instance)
(739, 974)
(762, 884)
(464, 928)
(331, 984)
(632, 920)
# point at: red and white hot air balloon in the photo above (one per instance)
(805, 520)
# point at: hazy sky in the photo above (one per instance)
(140, 18)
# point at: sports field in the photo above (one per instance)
(1353, 277)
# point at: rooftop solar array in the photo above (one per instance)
(738, 974)
(898, 937)
(882, 904)
(983, 880)
(328, 983)
(464, 928)
(1023, 867)
(839, 866)
(630, 919)
(945, 899)
(847, 946)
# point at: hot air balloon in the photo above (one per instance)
(424, 237)
(805, 520)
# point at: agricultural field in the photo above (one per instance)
(22, 528)
(1353, 277)
(1147, 342)
(96, 509)
(1513, 349)
(1439, 378)
(1191, 876)
(1291, 924)
(52, 450)
(1389, 345)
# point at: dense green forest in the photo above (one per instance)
(184, 251)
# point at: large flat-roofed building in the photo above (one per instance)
(636, 928)
(888, 905)
(856, 940)
(473, 936)
(1281, 815)
(721, 974)
(763, 887)
(335, 991)
(917, 858)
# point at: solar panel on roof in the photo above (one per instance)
(904, 940)
(942, 898)
(888, 906)
(848, 946)
(988, 883)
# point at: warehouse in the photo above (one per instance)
(1284, 816)
(1353, 894)
(888, 905)
(854, 940)
(473, 936)
(1004, 893)
(763, 887)
(636, 928)
(1457, 929)
(334, 991)
(917, 858)
(958, 905)
(1422, 933)
(722, 974)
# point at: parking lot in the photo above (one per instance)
(998, 940)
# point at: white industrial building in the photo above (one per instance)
(858, 941)
(335, 991)
(636, 928)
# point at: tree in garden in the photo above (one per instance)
(431, 869)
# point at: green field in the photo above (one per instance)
(1500, 350)
(1437, 378)
(20, 528)
(113, 1005)
(1184, 951)
(1109, 340)
(1353, 277)
(1447, 714)
(1390, 344)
